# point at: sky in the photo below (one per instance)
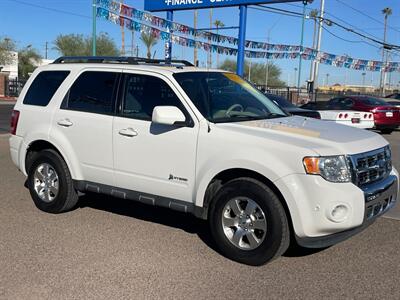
(35, 22)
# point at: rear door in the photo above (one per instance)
(83, 124)
(153, 158)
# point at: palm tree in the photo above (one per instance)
(218, 24)
(149, 41)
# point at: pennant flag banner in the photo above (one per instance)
(141, 21)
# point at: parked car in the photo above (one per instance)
(386, 116)
(291, 108)
(393, 99)
(363, 120)
(345, 117)
(394, 96)
(172, 135)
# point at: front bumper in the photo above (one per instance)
(379, 198)
(311, 201)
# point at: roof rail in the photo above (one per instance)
(123, 60)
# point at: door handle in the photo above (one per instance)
(129, 132)
(65, 123)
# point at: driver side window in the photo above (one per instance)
(142, 93)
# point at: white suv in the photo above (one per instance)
(204, 142)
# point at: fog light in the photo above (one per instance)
(339, 213)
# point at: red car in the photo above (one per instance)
(386, 116)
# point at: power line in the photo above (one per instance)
(275, 12)
(341, 20)
(329, 21)
(349, 41)
(364, 14)
(50, 9)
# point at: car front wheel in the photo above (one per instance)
(248, 222)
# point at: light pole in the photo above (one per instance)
(327, 79)
(267, 63)
(305, 2)
(295, 76)
(363, 79)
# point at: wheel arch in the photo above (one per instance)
(226, 175)
(41, 144)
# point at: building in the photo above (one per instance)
(348, 88)
(11, 70)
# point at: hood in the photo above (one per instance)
(322, 137)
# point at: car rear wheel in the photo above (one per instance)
(248, 222)
(50, 183)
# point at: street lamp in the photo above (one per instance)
(363, 78)
(305, 2)
(295, 76)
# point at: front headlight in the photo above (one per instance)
(331, 168)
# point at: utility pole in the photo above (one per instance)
(319, 39)
(302, 40)
(94, 28)
(387, 12)
(46, 49)
(122, 35)
(250, 69)
(313, 15)
(132, 42)
(210, 52)
(195, 46)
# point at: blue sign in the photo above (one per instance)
(165, 5)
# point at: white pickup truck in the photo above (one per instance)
(364, 120)
(198, 141)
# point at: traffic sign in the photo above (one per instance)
(165, 5)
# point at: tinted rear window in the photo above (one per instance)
(92, 92)
(371, 101)
(44, 87)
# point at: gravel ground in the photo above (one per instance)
(111, 248)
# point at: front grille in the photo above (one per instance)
(371, 166)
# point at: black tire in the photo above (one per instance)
(277, 237)
(386, 131)
(67, 197)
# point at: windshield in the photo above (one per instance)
(226, 97)
(371, 101)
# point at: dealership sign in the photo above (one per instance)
(165, 5)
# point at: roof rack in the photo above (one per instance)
(120, 60)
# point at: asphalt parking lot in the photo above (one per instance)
(110, 248)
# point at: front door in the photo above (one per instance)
(153, 158)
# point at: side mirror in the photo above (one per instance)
(168, 115)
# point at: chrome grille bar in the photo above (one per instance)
(371, 166)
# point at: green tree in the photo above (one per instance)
(28, 59)
(80, 45)
(258, 72)
(7, 45)
(149, 41)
